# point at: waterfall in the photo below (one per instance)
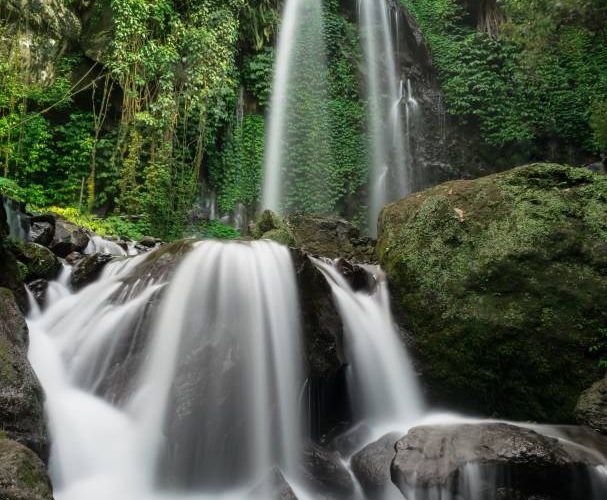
(168, 390)
(382, 382)
(390, 175)
(297, 148)
(18, 222)
(97, 244)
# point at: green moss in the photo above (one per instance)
(503, 281)
(8, 374)
(282, 236)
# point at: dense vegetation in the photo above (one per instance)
(532, 74)
(158, 101)
(175, 98)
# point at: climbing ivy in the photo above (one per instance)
(237, 174)
(534, 82)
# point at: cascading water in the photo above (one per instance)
(390, 176)
(297, 149)
(97, 244)
(215, 404)
(18, 223)
(382, 382)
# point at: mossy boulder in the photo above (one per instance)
(22, 474)
(591, 409)
(320, 235)
(39, 261)
(21, 396)
(503, 282)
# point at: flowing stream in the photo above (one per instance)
(390, 175)
(200, 401)
(382, 384)
(17, 221)
(185, 382)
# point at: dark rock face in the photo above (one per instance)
(330, 236)
(39, 261)
(88, 269)
(322, 334)
(39, 289)
(464, 459)
(441, 146)
(42, 233)
(45, 28)
(591, 409)
(68, 238)
(21, 397)
(497, 277)
(371, 465)
(324, 472)
(22, 473)
(148, 242)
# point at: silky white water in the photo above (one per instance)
(296, 163)
(97, 244)
(390, 175)
(200, 402)
(18, 223)
(382, 383)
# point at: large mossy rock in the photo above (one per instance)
(503, 283)
(515, 462)
(21, 396)
(319, 235)
(22, 473)
(591, 409)
(39, 261)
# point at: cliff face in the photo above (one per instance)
(442, 148)
(38, 33)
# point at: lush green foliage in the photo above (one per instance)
(238, 174)
(335, 130)
(532, 80)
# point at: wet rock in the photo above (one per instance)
(39, 289)
(42, 233)
(21, 396)
(40, 262)
(148, 242)
(582, 435)
(324, 471)
(371, 465)
(356, 275)
(591, 409)
(22, 474)
(10, 274)
(273, 487)
(323, 342)
(330, 236)
(68, 238)
(471, 458)
(496, 278)
(74, 257)
(346, 443)
(41, 31)
(88, 269)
